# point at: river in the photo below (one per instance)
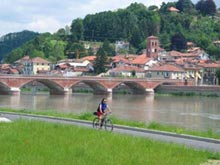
(196, 113)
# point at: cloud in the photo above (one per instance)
(51, 15)
(44, 24)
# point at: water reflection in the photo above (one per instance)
(199, 113)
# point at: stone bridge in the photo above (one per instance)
(101, 85)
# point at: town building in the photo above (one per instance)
(33, 66)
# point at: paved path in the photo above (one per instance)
(190, 141)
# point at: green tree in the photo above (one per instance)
(58, 50)
(11, 41)
(218, 75)
(214, 51)
(101, 61)
(164, 7)
(75, 50)
(37, 53)
(178, 42)
(184, 5)
(153, 8)
(110, 51)
(77, 29)
(14, 55)
(206, 7)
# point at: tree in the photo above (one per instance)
(101, 61)
(184, 5)
(58, 50)
(12, 41)
(136, 37)
(108, 48)
(218, 75)
(214, 51)
(75, 50)
(164, 7)
(77, 29)
(206, 7)
(153, 8)
(178, 42)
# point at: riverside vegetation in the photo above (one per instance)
(153, 125)
(36, 142)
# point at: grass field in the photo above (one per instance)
(153, 125)
(34, 142)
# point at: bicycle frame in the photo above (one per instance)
(105, 121)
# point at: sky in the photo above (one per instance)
(51, 15)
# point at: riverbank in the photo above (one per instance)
(187, 90)
(55, 143)
(153, 125)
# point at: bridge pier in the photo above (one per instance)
(109, 90)
(149, 91)
(14, 91)
(67, 91)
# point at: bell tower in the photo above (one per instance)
(152, 47)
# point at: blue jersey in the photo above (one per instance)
(103, 107)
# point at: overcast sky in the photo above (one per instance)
(51, 15)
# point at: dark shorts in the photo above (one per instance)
(99, 113)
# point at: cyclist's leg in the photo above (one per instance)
(108, 125)
(100, 118)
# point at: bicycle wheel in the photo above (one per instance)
(108, 125)
(95, 123)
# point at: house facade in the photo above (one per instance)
(166, 71)
(33, 66)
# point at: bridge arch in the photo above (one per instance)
(160, 85)
(54, 87)
(165, 83)
(135, 87)
(4, 89)
(97, 87)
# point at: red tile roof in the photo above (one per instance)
(4, 66)
(119, 58)
(89, 58)
(210, 65)
(179, 54)
(141, 60)
(127, 68)
(35, 60)
(173, 9)
(63, 66)
(152, 37)
(40, 60)
(167, 67)
(15, 71)
(25, 58)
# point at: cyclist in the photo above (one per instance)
(102, 109)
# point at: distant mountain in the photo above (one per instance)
(12, 41)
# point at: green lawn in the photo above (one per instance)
(153, 125)
(34, 142)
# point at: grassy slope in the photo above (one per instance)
(35, 142)
(155, 126)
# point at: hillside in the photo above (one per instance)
(11, 41)
(199, 24)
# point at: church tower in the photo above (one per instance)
(152, 47)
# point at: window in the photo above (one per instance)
(166, 74)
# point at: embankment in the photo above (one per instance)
(189, 90)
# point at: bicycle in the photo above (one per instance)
(106, 122)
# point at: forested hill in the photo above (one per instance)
(11, 41)
(175, 23)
